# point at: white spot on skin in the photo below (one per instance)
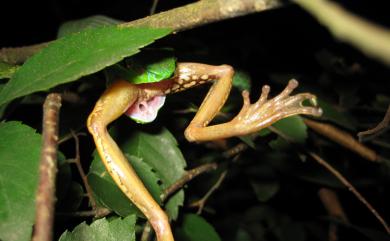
(185, 78)
(204, 77)
(195, 77)
(188, 85)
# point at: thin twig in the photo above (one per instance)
(337, 174)
(100, 212)
(45, 197)
(178, 19)
(343, 138)
(70, 136)
(188, 176)
(235, 150)
(202, 202)
(378, 128)
(350, 187)
(368, 37)
(81, 171)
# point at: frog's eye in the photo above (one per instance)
(145, 111)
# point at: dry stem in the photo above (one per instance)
(382, 125)
(343, 138)
(45, 197)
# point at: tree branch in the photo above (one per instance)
(45, 197)
(372, 39)
(179, 19)
(343, 138)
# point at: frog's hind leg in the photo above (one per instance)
(112, 104)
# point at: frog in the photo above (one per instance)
(141, 102)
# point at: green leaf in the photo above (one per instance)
(160, 151)
(149, 66)
(94, 21)
(73, 56)
(110, 195)
(19, 158)
(117, 229)
(161, 162)
(293, 127)
(196, 228)
(7, 70)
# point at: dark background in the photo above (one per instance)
(280, 42)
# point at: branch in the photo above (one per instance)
(343, 138)
(45, 197)
(188, 176)
(178, 19)
(81, 171)
(351, 188)
(337, 174)
(202, 202)
(366, 36)
(378, 128)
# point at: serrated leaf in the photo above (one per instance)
(160, 151)
(161, 161)
(110, 195)
(78, 25)
(7, 70)
(73, 56)
(196, 228)
(293, 127)
(19, 158)
(117, 229)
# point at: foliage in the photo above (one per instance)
(103, 229)
(73, 56)
(270, 191)
(20, 147)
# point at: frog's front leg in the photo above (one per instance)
(252, 117)
(112, 104)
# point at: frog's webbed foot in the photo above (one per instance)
(265, 112)
(254, 117)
